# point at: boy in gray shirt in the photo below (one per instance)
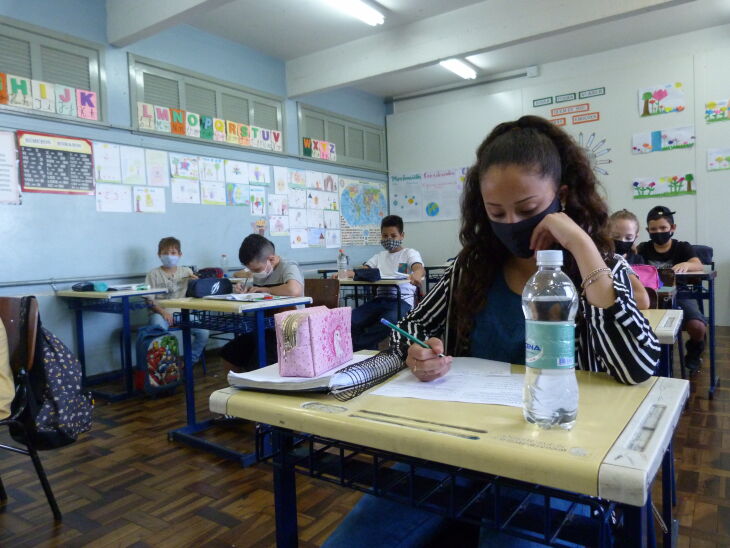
(270, 274)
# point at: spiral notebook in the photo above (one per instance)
(345, 382)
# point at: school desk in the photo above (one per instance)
(701, 286)
(622, 435)
(115, 302)
(665, 322)
(434, 273)
(228, 317)
(394, 283)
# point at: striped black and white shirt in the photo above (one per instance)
(617, 340)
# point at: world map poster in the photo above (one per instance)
(362, 206)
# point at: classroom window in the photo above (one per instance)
(36, 53)
(167, 86)
(357, 143)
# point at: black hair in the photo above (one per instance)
(660, 212)
(255, 248)
(392, 220)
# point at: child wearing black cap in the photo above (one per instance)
(663, 251)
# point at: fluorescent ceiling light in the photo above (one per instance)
(460, 68)
(359, 9)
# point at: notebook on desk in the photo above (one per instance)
(246, 297)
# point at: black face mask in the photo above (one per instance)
(622, 247)
(516, 236)
(660, 238)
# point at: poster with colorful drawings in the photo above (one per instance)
(332, 220)
(213, 193)
(718, 159)
(236, 172)
(317, 199)
(259, 174)
(333, 238)
(717, 111)
(281, 180)
(664, 187)
(331, 201)
(297, 218)
(149, 199)
(329, 182)
(440, 194)
(314, 180)
(158, 172)
(663, 139)
(297, 178)
(107, 165)
(279, 225)
(183, 166)
(661, 99)
(113, 198)
(183, 191)
(315, 218)
(211, 169)
(238, 194)
(278, 205)
(298, 238)
(258, 201)
(316, 237)
(406, 196)
(133, 165)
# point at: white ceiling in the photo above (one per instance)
(324, 49)
(287, 29)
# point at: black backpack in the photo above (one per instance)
(56, 409)
(209, 286)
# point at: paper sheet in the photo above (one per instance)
(470, 380)
(9, 183)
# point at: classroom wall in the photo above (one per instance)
(63, 236)
(444, 131)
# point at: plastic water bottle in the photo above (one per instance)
(550, 302)
(224, 264)
(342, 265)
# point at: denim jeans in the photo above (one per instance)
(367, 331)
(198, 337)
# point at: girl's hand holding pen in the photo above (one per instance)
(425, 363)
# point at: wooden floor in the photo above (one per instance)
(124, 484)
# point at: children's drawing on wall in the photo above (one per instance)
(158, 174)
(297, 197)
(298, 238)
(211, 169)
(259, 174)
(259, 227)
(279, 225)
(237, 194)
(314, 180)
(297, 218)
(107, 163)
(258, 201)
(330, 182)
(281, 180)
(332, 220)
(111, 198)
(297, 178)
(315, 237)
(717, 111)
(664, 187)
(185, 192)
(663, 139)
(183, 167)
(596, 152)
(334, 238)
(236, 172)
(213, 192)
(278, 205)
(133, 165)
(718, 159)
(661, 99)
(149, 199)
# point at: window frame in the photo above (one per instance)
(40, 36)
(342, 158)
(137, 65)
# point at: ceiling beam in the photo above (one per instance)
(486, 26)
(128, 21)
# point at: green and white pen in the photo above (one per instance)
(407, 335)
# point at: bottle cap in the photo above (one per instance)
(550, 257)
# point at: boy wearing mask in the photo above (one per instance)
(174, 278)
(272, 274)
(663, 251)
(367, 331)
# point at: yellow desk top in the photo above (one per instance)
(107, 294)
(595, 458)
(665, 322)
(231, 307)
(350, 281)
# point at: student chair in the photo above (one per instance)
(324, 292)
(653, 297)
(21, 326)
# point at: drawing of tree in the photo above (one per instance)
(689, 177)
(658, 95)
(646, 97)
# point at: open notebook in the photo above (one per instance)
(246, 297)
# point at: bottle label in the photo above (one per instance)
(549, 345)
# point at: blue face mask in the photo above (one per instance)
(169, 260)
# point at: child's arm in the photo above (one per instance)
(640, 295)
(418, 273)
(693, 265)
(292, 288)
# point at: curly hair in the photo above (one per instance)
(541, 147)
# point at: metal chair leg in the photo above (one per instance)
(44, 482)
(3, 494)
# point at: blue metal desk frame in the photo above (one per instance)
(123, 305)
(364, 469)
(227, 323)
(698, 291)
